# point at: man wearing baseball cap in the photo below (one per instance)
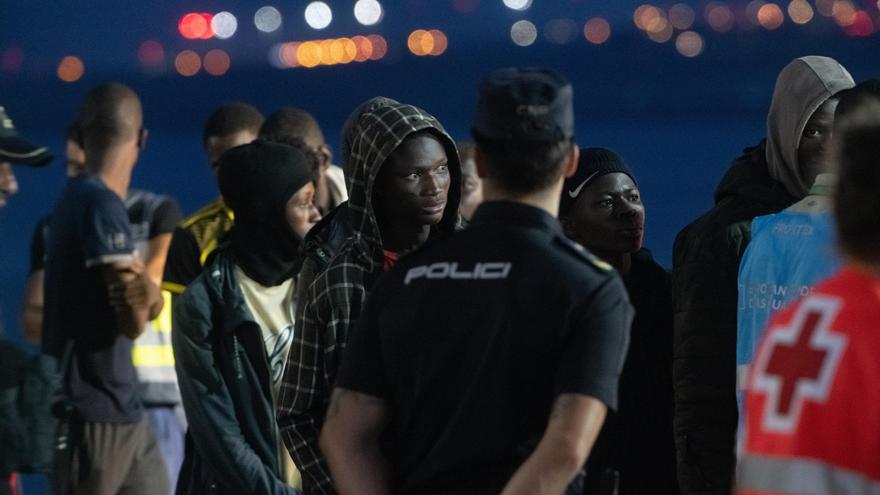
(15, 149)
(506, 393)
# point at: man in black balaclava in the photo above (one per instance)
(237, 318)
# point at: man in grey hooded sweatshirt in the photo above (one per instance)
(706, 256)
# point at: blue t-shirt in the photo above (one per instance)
(90, 228)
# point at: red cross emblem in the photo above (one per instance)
(798, 362)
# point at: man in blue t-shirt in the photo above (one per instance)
(98, 299)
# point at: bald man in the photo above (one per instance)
(98, 299)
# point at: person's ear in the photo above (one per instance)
(143, 134)
(571, 157)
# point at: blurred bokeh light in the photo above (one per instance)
(71, 69)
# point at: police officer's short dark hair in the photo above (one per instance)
(524, 166)
(857, 199)
(231, 118)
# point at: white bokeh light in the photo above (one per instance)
(368, 12)
(518, 4)
(267, 19)
(224, 25)
(523, 33)
(318, 15)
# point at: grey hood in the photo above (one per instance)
(801, 88)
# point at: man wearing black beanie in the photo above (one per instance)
(601, 208)
(234, 324)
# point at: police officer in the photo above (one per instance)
(486, 361)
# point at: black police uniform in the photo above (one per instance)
(471, 339)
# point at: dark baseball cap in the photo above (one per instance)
(531, 104)
(16, 149)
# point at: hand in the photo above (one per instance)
(133, 289)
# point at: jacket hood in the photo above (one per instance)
(801, 88)
(370, 135)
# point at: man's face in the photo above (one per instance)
(301, 212)
(414, 181)
(8, 184)
(608, 217)
(813, 149)
(471, 188)
(217, 145)
(76, 159)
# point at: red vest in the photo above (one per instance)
(813, 406)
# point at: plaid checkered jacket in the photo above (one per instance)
(335, 297)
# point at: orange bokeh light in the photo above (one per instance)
(309, 54)
(188, 63)
(71, 69)
(349, 50)
(364, 48)
(650, 18)
(333, 51)
(216, 62)
(597, 30)
(770, 16)
(380, 46)
(441, 42)
(420, 42)
(643, 14)
(326, 53)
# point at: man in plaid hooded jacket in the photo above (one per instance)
(405, 188)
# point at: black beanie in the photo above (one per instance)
(592, 164)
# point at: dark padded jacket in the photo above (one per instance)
(320, 244)
(224, 376)
(706, 259)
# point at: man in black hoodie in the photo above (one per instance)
(706, 259)
(405, 187)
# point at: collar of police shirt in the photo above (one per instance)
(515, 213)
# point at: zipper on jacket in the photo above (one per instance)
(236, 350)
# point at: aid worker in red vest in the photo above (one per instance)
(813, 408)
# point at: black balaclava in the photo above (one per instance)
(256, 181)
